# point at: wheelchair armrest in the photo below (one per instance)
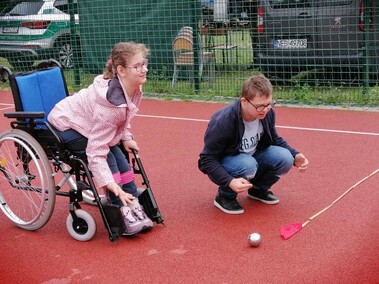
(24, 114)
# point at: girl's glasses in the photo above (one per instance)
(140, 66)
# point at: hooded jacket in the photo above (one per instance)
(101, 113)
(223, 138)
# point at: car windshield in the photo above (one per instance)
(23, 8)
(63, 6)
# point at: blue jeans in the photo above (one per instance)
(119, 164)
(263, 169)
(77, 144)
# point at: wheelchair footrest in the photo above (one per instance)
(150, 206)
(114, 218)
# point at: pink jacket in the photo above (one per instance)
(90, 113)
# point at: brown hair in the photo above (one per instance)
(121, 54)
(257, 85)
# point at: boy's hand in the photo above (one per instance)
(301, 162)
(240, 185)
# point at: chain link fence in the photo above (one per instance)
(314, 51)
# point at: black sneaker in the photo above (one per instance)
(227, 205)
(264, 196)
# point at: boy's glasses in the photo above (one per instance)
(140, 66)
(262, 107)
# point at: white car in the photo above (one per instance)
(35, 30)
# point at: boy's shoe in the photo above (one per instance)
(228, 205)
(132, 224)
(140, 214)
(262, 195)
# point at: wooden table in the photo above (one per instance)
(209, 40)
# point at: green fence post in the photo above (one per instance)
(366, 70)
(74, 42)
(196, 45)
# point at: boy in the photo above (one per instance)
(242, 150)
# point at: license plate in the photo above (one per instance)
(290, 43)
(10, 30)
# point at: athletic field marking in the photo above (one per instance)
(278, 126)
(6, 106)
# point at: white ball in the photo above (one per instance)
(254, 239)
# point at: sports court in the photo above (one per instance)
(199, 243)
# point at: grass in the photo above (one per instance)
(303, 88)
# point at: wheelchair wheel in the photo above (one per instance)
(84, 228)
(27, 188)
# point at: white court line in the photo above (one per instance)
(6, 106)
(278, 126)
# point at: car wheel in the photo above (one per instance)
(65, 54)
(4, 74)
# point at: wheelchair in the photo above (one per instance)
(32, 157)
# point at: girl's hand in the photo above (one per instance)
(130, 144)
(117, 190)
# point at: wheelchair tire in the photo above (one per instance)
(84, 228)
(27, 188)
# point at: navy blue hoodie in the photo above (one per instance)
(223, 138)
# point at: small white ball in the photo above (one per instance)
(254, 239)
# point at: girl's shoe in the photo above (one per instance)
(140, 214)
(132, 224)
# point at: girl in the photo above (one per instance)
(92, 123)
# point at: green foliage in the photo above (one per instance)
(228, 82)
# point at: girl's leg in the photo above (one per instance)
(122, 173)
(241, 165)
(126, 177)
(134, 224)
(125, 172)
(111, 160)
(74, 141)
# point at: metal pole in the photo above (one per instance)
(74, 44)
(196, 45)
(366, 66)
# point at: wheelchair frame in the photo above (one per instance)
(32, 156)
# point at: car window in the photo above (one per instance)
(63, 6)
(282, 4)
(48, 11)
(323, 3)
(26, 8)
(23, 9)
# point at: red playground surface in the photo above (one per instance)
(199, 243)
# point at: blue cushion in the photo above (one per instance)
(41, 90)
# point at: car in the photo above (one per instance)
(36, 30)
(336, 37)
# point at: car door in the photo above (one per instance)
(339, 33)
(290, 27)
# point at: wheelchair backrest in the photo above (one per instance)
(38, 91)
